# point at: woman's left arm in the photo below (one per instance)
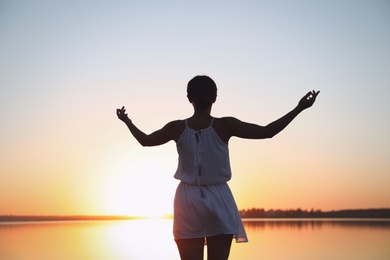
(159, 137)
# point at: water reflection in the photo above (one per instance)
(320, 239)
(152, 239)
(260, 224)
(140, 239)
(127, 239)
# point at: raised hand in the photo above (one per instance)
(308, 100)
(121, 113)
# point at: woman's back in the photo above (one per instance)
(203, 157)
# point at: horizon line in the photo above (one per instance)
(169, 215)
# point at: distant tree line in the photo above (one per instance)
(246, 213)
(299, 213)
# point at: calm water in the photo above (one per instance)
(152, 239)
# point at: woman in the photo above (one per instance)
(204, 208)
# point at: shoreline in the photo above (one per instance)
(383, 213)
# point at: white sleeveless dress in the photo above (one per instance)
(204, 205)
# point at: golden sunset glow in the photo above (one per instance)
(137, 196)
(66, 67)
(139, 231)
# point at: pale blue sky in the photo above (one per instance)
(65, 66)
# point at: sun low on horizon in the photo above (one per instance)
(67, 66)
(147, 193)
(133, 181)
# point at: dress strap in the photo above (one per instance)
(186, 123)
(212, 120)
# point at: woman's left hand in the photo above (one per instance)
(121, 113)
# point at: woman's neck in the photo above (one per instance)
(202, 114)
(200, 119)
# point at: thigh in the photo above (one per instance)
(218, 247)
(190, 249)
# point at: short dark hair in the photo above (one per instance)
(202, 90)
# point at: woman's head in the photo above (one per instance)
(202, 92)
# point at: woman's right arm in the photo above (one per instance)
(235, 127)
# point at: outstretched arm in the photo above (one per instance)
(278, 125)
(162, 136)
(253, 131)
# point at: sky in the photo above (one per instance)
(66, 66)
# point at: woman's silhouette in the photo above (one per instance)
(204, 207)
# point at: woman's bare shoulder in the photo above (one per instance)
(231, 126)
(177, 123)
(226, 120)
(223, 126)
(177, 127)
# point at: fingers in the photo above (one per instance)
(314, 95)
(121, 111)
(311, 95)
(307, 96)
(308, 100)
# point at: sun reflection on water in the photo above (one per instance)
(141, 239)
(144, 239)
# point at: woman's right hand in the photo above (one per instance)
(308, 100)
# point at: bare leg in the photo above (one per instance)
(191, 249)
(218, 247)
